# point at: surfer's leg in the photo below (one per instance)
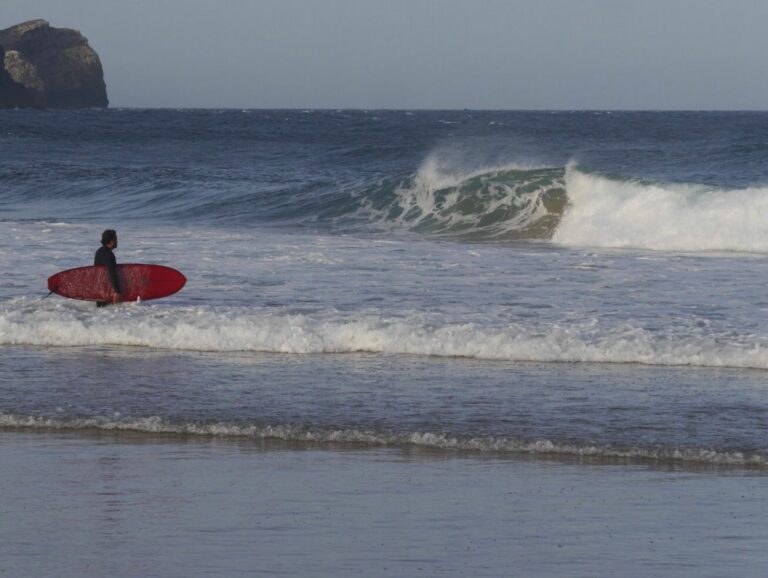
(101, 303)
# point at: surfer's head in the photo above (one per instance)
(109, 236)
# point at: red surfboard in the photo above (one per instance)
(137, 281)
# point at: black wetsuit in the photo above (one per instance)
(105, 256)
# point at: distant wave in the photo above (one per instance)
(222, 330)
(372, 438)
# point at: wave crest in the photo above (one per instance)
(501, 203)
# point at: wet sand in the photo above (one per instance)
(139, 505)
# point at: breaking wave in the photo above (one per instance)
(604, 212)
(568, 206)
(238, 330)
(501, 203)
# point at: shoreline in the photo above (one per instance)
(677, 459)
(111, 504)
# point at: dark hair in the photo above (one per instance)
(108, 236)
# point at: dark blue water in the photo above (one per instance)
(314, 167)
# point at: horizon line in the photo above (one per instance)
(417, 109)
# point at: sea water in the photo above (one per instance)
(411, 343)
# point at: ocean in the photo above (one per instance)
(411, 343)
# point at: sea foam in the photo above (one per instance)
(248, 330)
(605, 212)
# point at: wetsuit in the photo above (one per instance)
(105, 256)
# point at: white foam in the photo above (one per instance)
(430, 440)
(241, 329)
(603, 212)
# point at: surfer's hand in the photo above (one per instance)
(115, 297)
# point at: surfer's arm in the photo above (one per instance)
(112, 270)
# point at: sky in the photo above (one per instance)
(422, 54)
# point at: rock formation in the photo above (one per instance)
(14, 94)
(49, 67)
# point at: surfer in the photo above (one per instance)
(105, 256)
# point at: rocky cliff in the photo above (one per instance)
(14, 94)
(51, 67)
